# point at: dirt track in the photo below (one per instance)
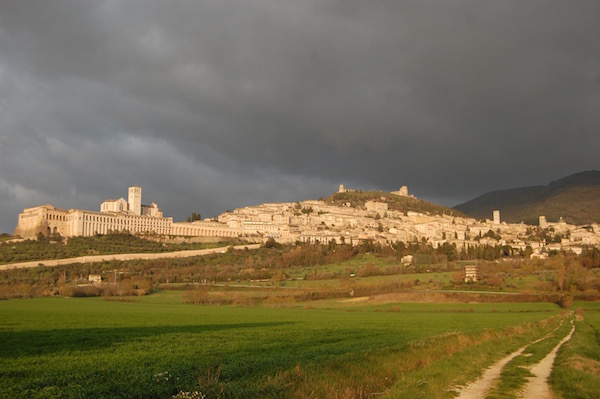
(536, 388)
(480, 387)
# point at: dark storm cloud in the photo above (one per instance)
(210, 105)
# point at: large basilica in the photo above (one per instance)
(115, 216)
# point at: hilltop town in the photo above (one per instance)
(326, 220)
(348, 216)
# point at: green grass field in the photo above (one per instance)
(155, 346)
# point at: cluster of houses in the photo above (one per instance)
(318, 221)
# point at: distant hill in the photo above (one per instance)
(575, 198)
(395, 202)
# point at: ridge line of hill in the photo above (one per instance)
(575, 198)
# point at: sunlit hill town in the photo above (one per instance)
(348, 216)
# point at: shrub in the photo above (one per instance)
(70, 290)
(202, 296)
(565, 301)
(370, 270)
(279, 301)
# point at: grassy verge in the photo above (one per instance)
(576, 372)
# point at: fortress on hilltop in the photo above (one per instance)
(116, 215)
(403, 192)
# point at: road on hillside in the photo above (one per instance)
(123, 257)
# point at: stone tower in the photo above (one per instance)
(496, 217)
(403, 192)
(135, 200)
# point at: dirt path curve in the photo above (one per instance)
(538, 387)
(479, 388)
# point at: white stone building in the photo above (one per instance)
(114, 216)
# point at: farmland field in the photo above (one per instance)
(156, 346)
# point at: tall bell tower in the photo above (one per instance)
(135, 200)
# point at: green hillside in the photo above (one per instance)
(357, 199)
(575, 198)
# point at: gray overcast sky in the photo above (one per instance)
(212, 105)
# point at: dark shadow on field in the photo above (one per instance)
(41, 342)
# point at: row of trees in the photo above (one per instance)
(195, 216)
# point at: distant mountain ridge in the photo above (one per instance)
(576, 198)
